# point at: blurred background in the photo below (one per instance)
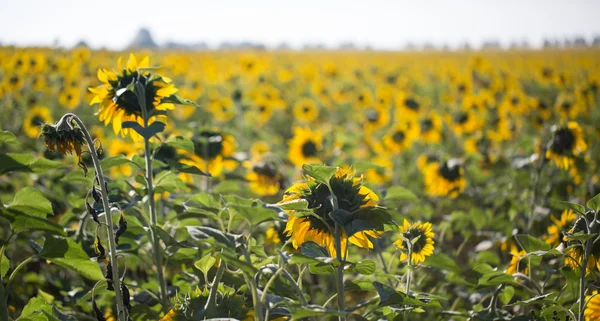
(381, 25)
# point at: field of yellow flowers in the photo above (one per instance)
(258, 185)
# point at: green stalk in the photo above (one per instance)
(212, 296)
(339, 280)
(582, 285)
(140, 91)
(114, 263)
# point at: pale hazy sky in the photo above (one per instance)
(382, 24)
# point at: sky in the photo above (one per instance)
(381, 24)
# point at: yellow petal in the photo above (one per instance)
(132, 63)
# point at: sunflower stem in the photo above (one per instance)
(114, 263)
(582, 284)
(339, 280)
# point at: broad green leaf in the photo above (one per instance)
(22, 222)
(366, 267)
(4, 266)
(254, 211)
(204, 232)
(11, 162)
(9, 138)
(594, 203)
(113, 161)
(66, 253)
(34, 309)
(390, 297)
(312, 249)
(370, 218)
(572, 206)
(32, 202)
(205, 263)
(146, 132)
(300, 312)
(321, 173)
(181, 142)
(167, 182)
(495, 278)
(531, 244)
(581, 236)
(442, 261)
(507, 294)
(294, 205)
(177, 100)
(399, 193)
(238, 263)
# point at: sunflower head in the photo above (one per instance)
(444, 178)
(122, 95)
(576, 253)
(351, 195)
(567, 143)
(63, 138)
(416, 239)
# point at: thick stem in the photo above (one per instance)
(212, 296)
(339, 280)
(154, 224)
(114, 263)
(582, 285)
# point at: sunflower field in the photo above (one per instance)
(282, 185)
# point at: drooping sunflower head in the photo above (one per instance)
(118, 96)
(63, 138)
(416, 239)
(567, 143)
(34, 118)
(445, 178)
(351, 196)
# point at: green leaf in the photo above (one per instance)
(175, 99)
(204, 232)
(8, 138)
(66, 253)
(254, 211)
(113, 161)
(442, 261)
(11, 162)
(321, 173)
(370, 218)
(366, 267)
(205, 263)
(312, 249)
(32, 202)
(572, 206)
(181, 142)
(4, 266)
(507, 294)
(594, 203)
(167, 182)
(20, 222)
(300, 312)
(146, 132)
(390, 297)
(34, 309)
(531, 244)
(399, 193)
(294, 205)
(581, 236)
(238, 263)
(495, 278)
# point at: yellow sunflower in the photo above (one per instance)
(400, 137)
(265, 177)
(517, 265)
(465, 122)
(431, 129)
(555, 231)
(305, 146)
(592, 307)
(376, 118)
(223, 109)
(444, 179)
(305, 110)
(351, 195)
(408, 107)
(384, 171)
(69, 97)
(118, 104)
(575, 254)
(127, 149)
(213, 152)
(35, 117)
(261, 111)
(422, 247)
(567, 143)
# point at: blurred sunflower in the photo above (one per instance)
(408, 107)
(375, 119)
(426, 159)
(464, 122)
(213, 152)
(127, 149)
(351, 194)
(568, 106)
(592, 306)
(517, 265)
(445, 178)
(305, 146)
(223, 109)
(400, 137)
(118, 104)
(265, 177)
(384, 171)
(555, 231)
(420, 236)
(261, 111)
(305, 110)
(69, 97)
(567, 143)
(35, 117)
(431, 128)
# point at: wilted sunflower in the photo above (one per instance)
(567, 142)
(444, 179)
(34, 119)
(422, 247)
(592, 307)
(555, 231)
(118, 104)
(305, 146)
(213, 152)
(63, 139)
(351, 195)
(305, 110)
